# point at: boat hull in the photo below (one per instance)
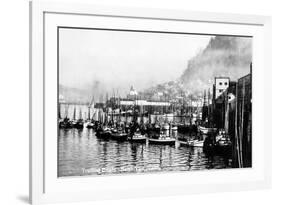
(206, 130)
(138, 140)
(162, 141)
(192, 143)
(196, 143)
(79, 125)
(103, 134)
(90, 126)
(119, 136)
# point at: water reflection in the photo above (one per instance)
(81, 153)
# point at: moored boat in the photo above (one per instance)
(162, 136)
(192, 142)
(65, 123)
(79, 124)
(118, 134)
(90, 125)
(223, 143)
(103, 132)
(206, 130)
(163, 141)
(138, 137)
(195, 143)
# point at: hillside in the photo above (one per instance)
(224, 56)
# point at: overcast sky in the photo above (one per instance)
(119, 59)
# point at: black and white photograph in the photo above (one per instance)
(137, 101)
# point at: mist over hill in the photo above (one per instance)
(223, 56)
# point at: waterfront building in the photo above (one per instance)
(232, 111)
(220, 85)
(224, 91)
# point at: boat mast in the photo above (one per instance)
(74, 113)
(80, 114)
(66, 111)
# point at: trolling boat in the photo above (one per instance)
(90, 124)
(174, 130)
(162, 140)
(137, 132)
(65, 123)
(209, 146)
(78, 124)
(223, 143)
(137, 136)
(206, 126)
(103, 132)
(162, 137)
(118, 134)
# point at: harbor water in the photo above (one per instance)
(81, 153)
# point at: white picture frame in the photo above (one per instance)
(45, 187)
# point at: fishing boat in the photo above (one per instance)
(195, 143)
(206, 130)
(138, 137)
(223, 143)
(79, 124)
(174, 130)
(65, 123)
(103, 132)
(162, 137)
(118, 134)
(208, 146)
(90, 125)
(162, 140)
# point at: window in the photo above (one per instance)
(220, 83)
(225, 83)
(220, 90)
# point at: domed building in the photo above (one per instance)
(132, 94)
